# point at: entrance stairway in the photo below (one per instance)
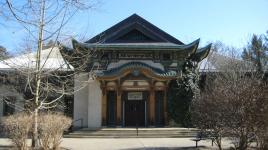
(133, 133)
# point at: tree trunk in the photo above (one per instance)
(243, 144)
(35, 143)
(218, 141)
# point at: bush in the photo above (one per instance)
(233, 104)
(17, 128)
(51, 128)
(262, 138)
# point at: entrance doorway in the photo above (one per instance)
(111, 108)
(135, 109)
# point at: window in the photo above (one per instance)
(166, 56)
(105, 56)
(9, 105)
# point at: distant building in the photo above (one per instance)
(136, 63)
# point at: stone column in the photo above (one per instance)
(104, 107)
(165, 108)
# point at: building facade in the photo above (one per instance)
(136, 62)
(125, 83)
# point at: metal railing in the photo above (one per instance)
(74, 127)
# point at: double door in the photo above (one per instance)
(134, 109)
(134, 113)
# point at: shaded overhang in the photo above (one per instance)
(136, 68)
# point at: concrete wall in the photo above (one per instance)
(81, 100)
(94, 104)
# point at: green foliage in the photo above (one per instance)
(179, 102)
(257, 52)
(182, 92)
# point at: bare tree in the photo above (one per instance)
(232, 103)
(43, 83)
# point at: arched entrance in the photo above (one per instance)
(134, 98)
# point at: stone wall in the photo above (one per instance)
(87, 102)
(94, 104)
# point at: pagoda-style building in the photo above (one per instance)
(134, 63)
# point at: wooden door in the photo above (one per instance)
(134, 112)
(159, 108)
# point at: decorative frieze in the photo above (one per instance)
(135, 55)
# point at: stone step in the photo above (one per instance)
(127, 136)
(132, 133)
(123, 133)
(128, 132)
(142, 129)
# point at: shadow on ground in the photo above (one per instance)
(169, 148)
(4, 147)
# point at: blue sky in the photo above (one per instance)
(229, 21)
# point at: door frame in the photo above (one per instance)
(145, 93)
(111, 123)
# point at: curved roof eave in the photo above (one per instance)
(132, 66)
(201, 53)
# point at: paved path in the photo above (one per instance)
(127, 144)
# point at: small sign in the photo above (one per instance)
(134, 96)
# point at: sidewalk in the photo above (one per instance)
(128, 144)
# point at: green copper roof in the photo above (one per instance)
(135, 66)
(138, 46)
